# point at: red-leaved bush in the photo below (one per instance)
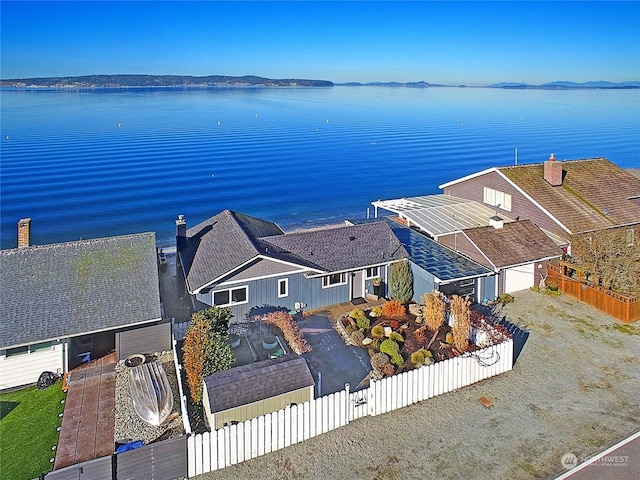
(290, 330)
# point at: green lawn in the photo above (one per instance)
(28, 422)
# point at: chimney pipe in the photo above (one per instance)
(181, 232)
(24, 232)
(553, 171)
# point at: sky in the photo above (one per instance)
(471, 43)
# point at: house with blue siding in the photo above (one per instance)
(238, 261)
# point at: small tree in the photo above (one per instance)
(610, 257)
(401, 282)
(461, 322)
(206, 348)
(434, 309)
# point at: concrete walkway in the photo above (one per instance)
(332, 362)
(89, 414)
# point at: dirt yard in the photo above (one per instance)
(574, 388)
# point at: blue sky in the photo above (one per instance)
(473, 43)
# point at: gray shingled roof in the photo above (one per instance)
(513, 244)
(341, 248)
(221, 244)
(69, 289)
(257, 381)
(230, 239)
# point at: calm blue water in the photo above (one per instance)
(98, 163)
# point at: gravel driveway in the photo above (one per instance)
(575, 388)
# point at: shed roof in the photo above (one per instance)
(257, 381)
(440, 214)
(70, 289)
(516, 243)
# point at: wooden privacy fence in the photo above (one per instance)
(250, 439)
(625, 308)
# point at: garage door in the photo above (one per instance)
(518, 278)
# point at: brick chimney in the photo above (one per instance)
(553, 171)
(24, 232)
(181, 232)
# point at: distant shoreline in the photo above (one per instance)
(224, 81)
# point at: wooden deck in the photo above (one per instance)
(89, 415)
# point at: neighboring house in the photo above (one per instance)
(68, 303)
(237, 261)
(561, 197)
(255, 389)
(516, 251)
(438, 267)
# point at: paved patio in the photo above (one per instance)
(89, 414)
(332, 362)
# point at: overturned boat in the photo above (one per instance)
(151, 393)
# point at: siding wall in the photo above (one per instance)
(473, 189)
(256, 409)
(150, 339)
(423, 282)
(265, 292)
(25, 368)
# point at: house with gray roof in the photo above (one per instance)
(237, 261)
(67, 303)
(255, 389)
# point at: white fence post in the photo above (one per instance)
(296, 423)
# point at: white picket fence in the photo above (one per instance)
(250, 439)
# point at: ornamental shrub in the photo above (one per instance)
(389, 347)
(376, 311)
(434, 308)
(397, 359)
(417, 357)
(401, 282)
(396, 337)
(461, 326)
(393, 309)
(377, 331)
(206, 348)
(363, 323)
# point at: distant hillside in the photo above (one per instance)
(115, 81)
(560, 85)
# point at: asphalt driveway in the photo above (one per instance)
(332, 362)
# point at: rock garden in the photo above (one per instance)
(401, 337)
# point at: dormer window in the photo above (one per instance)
(496, 198)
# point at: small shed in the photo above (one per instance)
(255, 389)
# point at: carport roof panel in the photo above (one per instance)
(440, 214)
(437, 259)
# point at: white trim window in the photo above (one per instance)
(496, 198)
(372, 272)
(334, 280)
(283, 287)
(231, 297)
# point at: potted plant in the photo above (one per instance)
(377, 283)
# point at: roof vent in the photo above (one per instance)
(496, 222)
(352, 238)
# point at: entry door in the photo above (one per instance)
(357, 285)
